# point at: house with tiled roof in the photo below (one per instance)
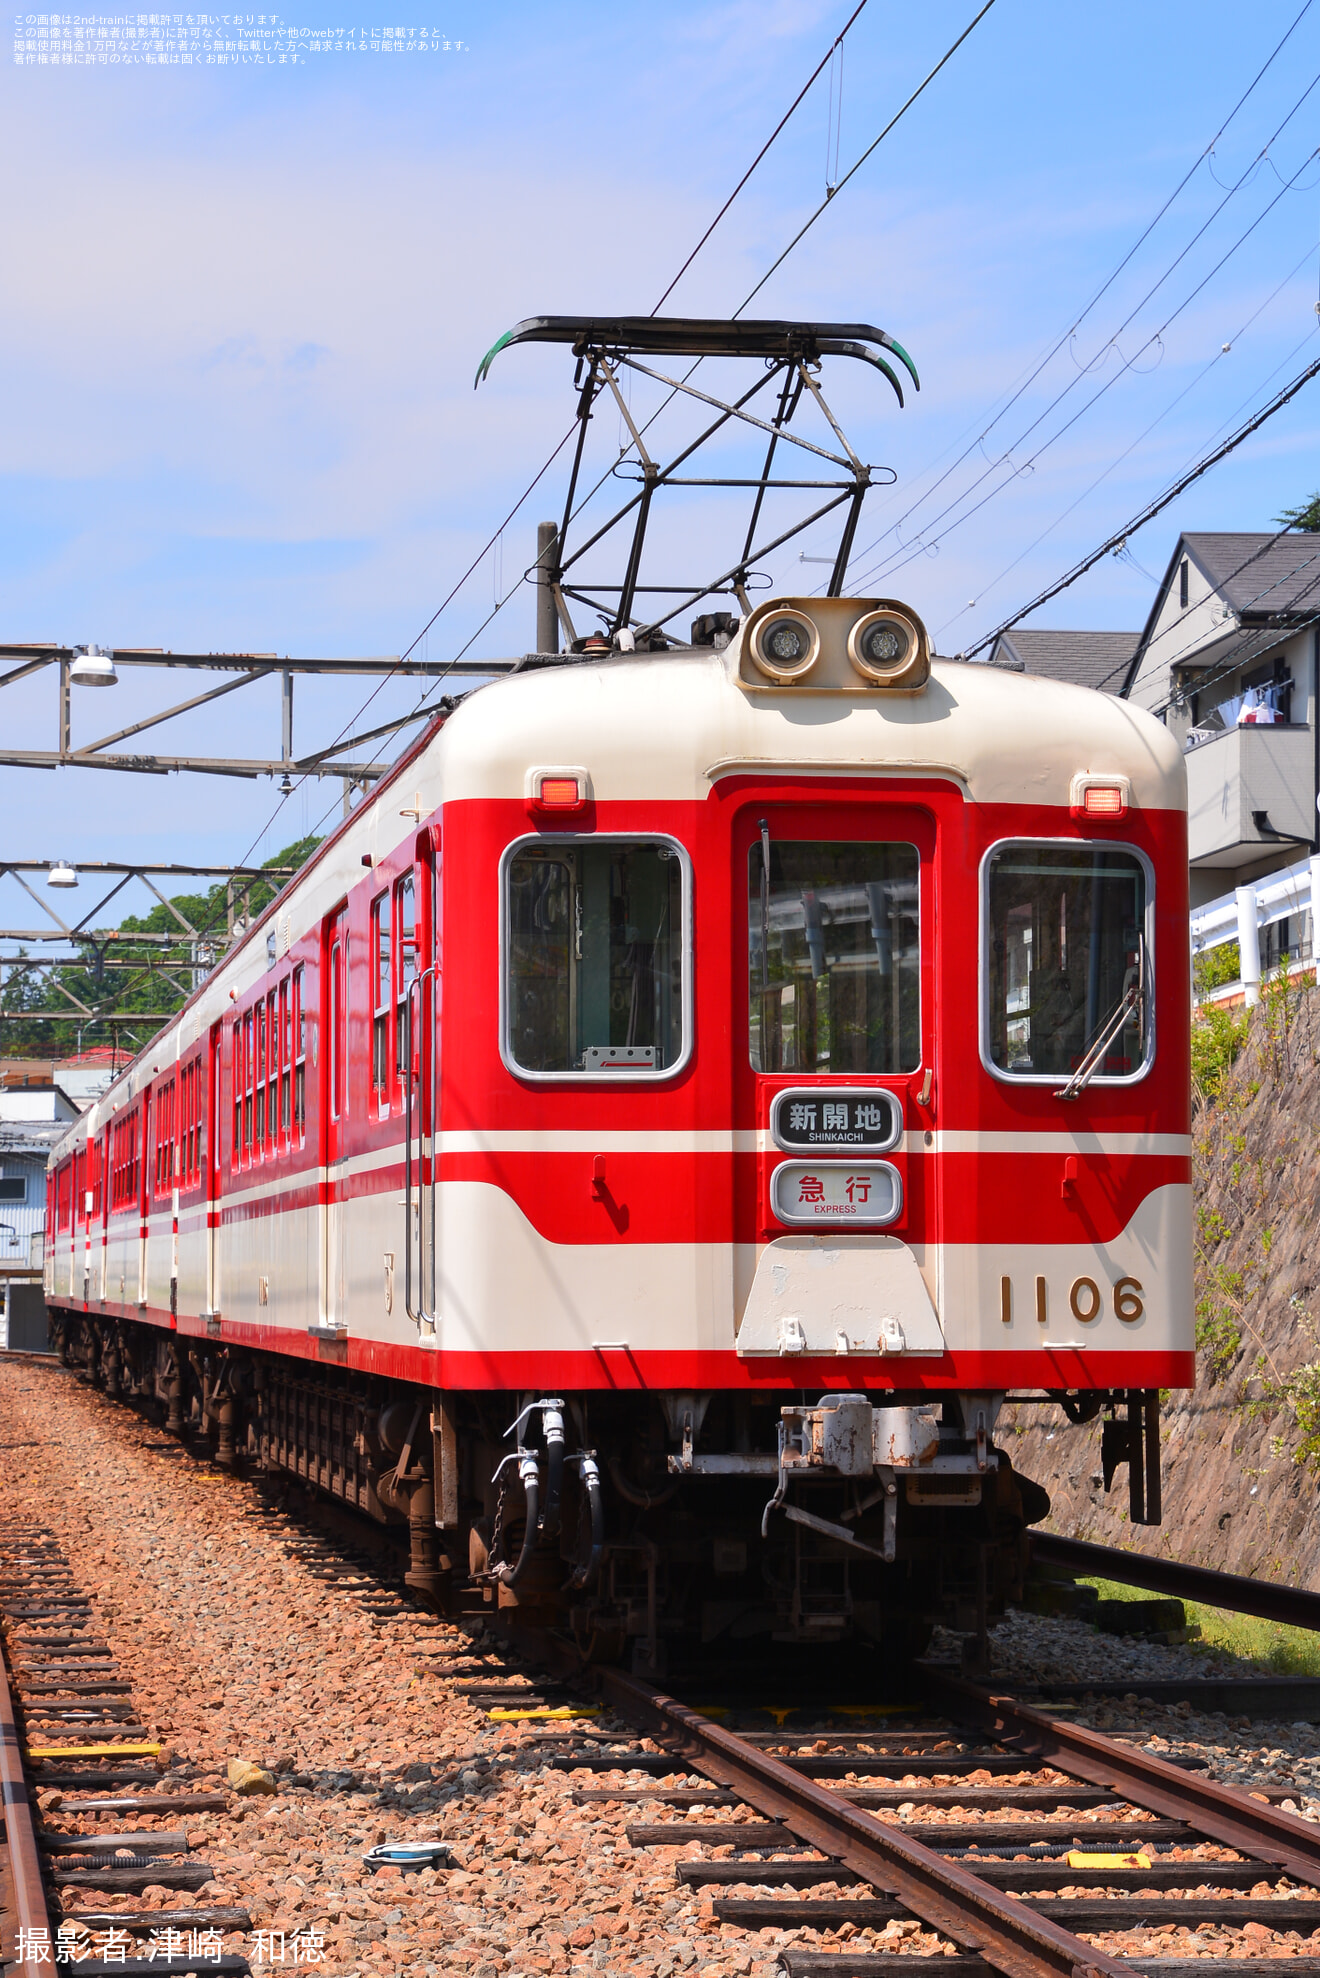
(1228, 661)
(1084, 659)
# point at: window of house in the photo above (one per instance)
(1182, 585)
(834, 957)
(405, 925)
(1068, 961)
(382, 996)
(1262, 696)
(300, 1059)
(595, 957)
(13, 1188)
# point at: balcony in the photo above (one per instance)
(1242, 779)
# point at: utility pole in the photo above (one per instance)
(547, 572)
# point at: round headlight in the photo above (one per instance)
(885, 648)
(787, 642)
(885, 644)
(785, 645)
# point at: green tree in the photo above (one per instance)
(1306, 517)
(149, 976)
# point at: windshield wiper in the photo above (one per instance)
(1094, 1057)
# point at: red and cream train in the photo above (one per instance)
(650, 1138)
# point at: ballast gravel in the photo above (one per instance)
(237, 1647)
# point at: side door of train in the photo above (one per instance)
(418, 1030)
(336, 1088)
(217, 1114)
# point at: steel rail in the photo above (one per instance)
(1296, 1607)
(1222, 1813)
(945, 1895)
(31, 1916)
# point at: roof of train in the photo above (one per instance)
(666, 727)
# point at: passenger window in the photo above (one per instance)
(1067, 970)
(286, 1063)
(834, 957)
(300, 1059)
(595, 936)
(405, 911)
(382, 977)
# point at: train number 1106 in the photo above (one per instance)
(1085, 1300)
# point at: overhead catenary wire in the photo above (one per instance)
(874, 145)
(897, 560)
(887, 566)
(826, 60)
(1172, 405)
(871, 148)
(1151, 509)
(476, 562)
(1103, 289)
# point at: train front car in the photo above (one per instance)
(814, 1076)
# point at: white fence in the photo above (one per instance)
(1244, 914)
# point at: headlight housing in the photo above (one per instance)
(885, 648)
(785, 646)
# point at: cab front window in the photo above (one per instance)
(595, 958)
(834, 957)
(1067, 973)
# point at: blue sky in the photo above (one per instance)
(243, 307)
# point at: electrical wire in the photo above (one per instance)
(1105, 286)
(513, 512)
(449, 669)
(853, 169)
(896, 561)
(871, 148)
(1152, 509)
(1172, 405)
(775, 133)
(826, 59)
(1194, 643)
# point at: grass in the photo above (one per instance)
(1281, 1650)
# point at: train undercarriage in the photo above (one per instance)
(642, 1523)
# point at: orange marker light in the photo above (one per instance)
(1103, 800)
(560, 792)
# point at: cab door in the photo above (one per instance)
(336, 1088)
(833, 1056)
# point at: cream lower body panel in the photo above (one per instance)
(1149, 1263)
(503, 1287)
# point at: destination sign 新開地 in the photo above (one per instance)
(865, 1118)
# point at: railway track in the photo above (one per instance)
(950, 1836)
(1018, 1908)
(1295, 1607)
(70, 1736)
(24, 1918)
